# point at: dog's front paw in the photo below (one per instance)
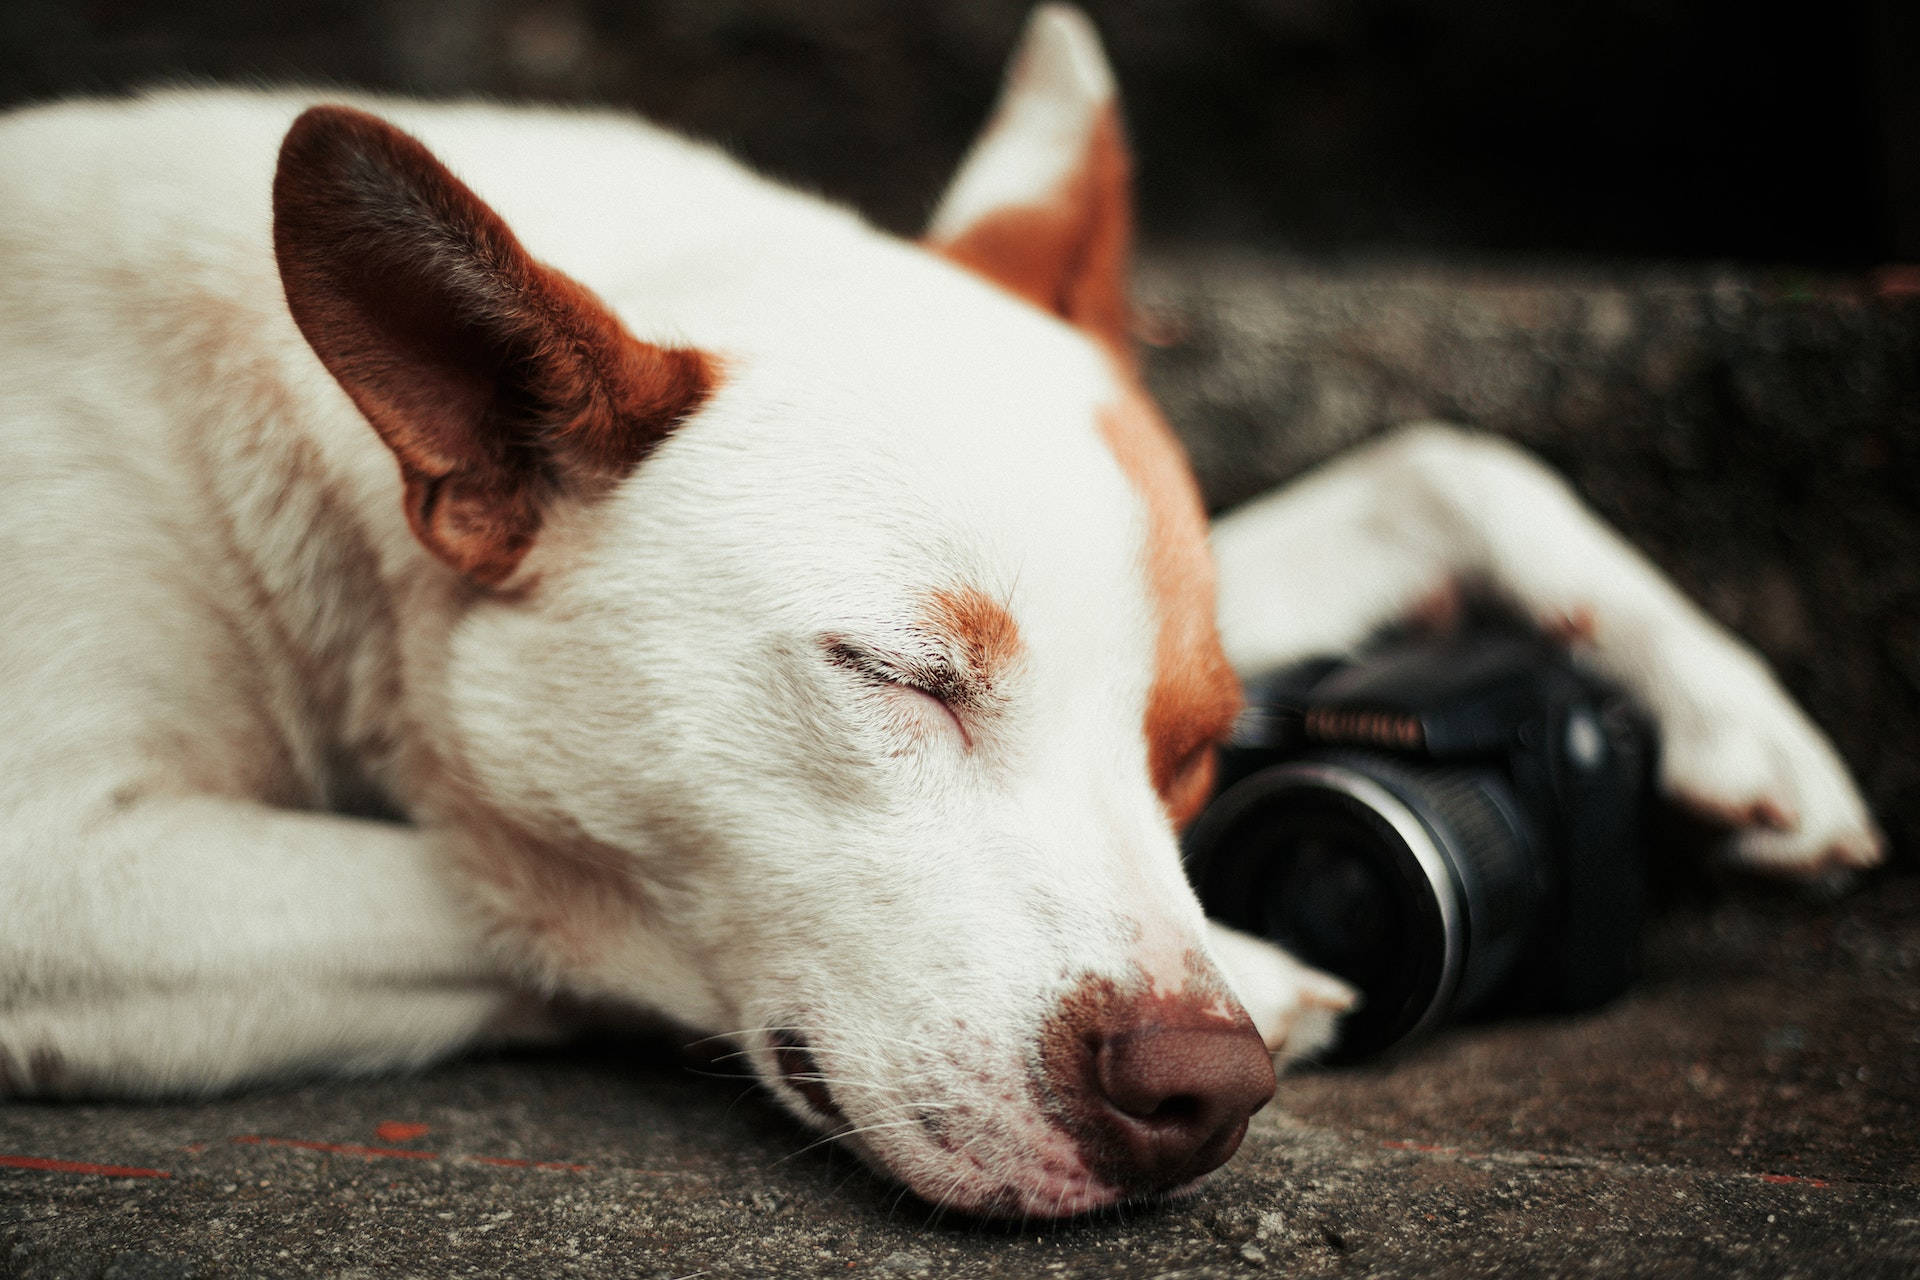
(1737, 751)
(1296, 1009)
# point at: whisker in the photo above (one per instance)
(844, 1133)
(740, 1097)
(945, 1202)
(862, 1083)
(898, 1200)
(866, 1084)
(722, 1035)
(803, 1032)
(715, 1075)
(729, 1057)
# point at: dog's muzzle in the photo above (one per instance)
(1131, 1093)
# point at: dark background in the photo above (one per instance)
(1651, 128)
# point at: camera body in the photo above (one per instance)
(1454, 825)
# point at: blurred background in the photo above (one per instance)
(1645, 127)
(1665, 245)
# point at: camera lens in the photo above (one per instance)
(1326, 894)
(1415, 885)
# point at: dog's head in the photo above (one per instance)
(833, 678)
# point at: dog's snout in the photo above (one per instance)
(1157, 1090)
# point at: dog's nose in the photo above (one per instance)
(1178, 1098)
(1159, 1090)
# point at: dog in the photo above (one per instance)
(605, 573)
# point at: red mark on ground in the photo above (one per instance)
(511, 1163)
(337, 1148)
(81, 1166)
(1791, 1177)
(399, 1131)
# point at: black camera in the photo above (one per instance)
(1453, 825)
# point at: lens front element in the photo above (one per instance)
(1356, 865)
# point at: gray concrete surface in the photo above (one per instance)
(1750, 1109)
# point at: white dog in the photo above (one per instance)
(694, 598)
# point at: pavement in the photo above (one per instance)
(1749, 1108)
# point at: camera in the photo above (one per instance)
(1453, 824)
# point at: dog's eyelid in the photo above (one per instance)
(931, 674)
(842, 652)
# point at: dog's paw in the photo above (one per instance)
(1296, 1009)
(1738, 752)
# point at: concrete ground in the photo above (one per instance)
(1751, 1108)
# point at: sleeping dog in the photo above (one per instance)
(457, 555)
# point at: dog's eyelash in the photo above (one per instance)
(935, 679)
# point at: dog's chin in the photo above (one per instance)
(1009, 1162)
(1051, 1184)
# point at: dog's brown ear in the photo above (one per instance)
(499, 383)
(1043, 204)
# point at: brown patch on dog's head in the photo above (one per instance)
(979, 627)
(498, 382)
(1068, 254)
(1195, 695)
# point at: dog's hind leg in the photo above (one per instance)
(192, 944)
(1401, 527)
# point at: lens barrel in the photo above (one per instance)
(1417, 884)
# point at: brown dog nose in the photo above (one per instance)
(1156, 1090)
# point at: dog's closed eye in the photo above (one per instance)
(929, 678)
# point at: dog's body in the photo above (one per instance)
(819, 654)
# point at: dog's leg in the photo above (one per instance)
(191, 944)
(1400, 527)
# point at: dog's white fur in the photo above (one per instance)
(222, 643)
